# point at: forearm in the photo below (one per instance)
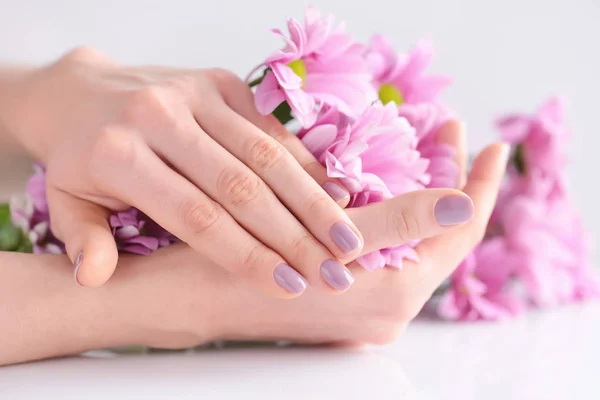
(12, 96)
(162, 301)
(44, 314)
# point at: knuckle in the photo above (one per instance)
(318, 202)
(253, 261)
(312, 167)
(404, 226)
(240, 188)
(266, 153)
(114, 146)
(82, 54)
(201, 217)
(149, 105)
(223, 77)
(302, 246)
(184, 84)
(278, 131)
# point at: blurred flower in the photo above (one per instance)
(135, 233)
(320, 64)
(30, 214)
(427, 119)
(480, 286)
(539, 140)
(374, 157)
(400, 78)
(549, 240)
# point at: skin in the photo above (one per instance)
(177, 298)
(189, 149)
(181, 296)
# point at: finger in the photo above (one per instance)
(412, 216)
(445, 252)
(83, 228)
(250, 201)
(238, 96)
(182, 209)
(297, 190)
(452, 133)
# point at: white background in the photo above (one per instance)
(504, 55)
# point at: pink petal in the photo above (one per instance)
(137, 249)
(267, 96)
(319, 138)
(286, 77)
(302, 105)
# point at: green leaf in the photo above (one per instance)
(25, 246)
(283, 113)
(519, 159)
(4, 214)
(10, 237)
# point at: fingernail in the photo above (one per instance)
(335, 191)
(77, 264)
(289, 279)
(336, 275)
(453, 210)
(344, 237)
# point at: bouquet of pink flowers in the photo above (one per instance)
(371, 116)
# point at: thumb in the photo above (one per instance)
(412, 216)
(83, 228)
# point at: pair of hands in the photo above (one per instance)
(189, 149)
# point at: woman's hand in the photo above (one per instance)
(177, 298)
(377, 308)
(188, 148)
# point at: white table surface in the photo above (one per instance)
(546, 355)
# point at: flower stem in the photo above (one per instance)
(256, 81)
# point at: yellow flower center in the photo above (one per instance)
(299, 69)
(389, 93)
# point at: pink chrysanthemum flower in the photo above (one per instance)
(479, 288)
(319, 65)
(400, 78)
(135, 233)
(375, 157)
(427, 119)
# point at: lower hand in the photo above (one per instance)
(376, 310)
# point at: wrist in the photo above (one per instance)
(179, 298)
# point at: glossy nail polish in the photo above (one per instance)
(336, 275)
(335, 191)
(77, 264)
(453, 210)
(289, 279)
(344, 237)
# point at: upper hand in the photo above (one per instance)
(187, 148)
